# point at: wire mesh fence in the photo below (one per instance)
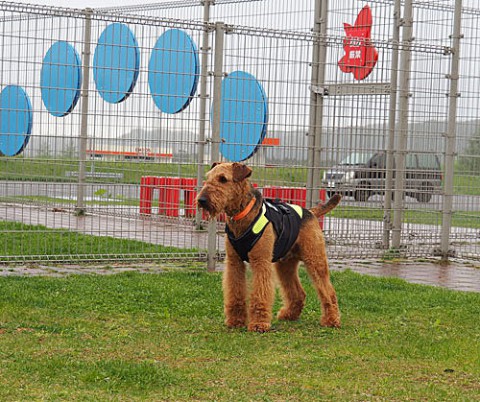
(111, 117)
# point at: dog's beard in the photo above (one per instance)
(211, 212)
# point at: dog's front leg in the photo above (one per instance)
(234, 289)
(262, 297)
(263, 287)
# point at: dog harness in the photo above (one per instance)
(285, 219)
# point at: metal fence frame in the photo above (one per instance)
(215, 37)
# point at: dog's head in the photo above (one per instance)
(225, 187)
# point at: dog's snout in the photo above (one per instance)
(202, 201)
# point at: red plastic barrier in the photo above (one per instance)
(169, 198)
(190, 194)
(277, 192)
(298, 196)
(147, 184)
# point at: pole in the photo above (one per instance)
(82, 156)
(402, 124)
(215, 149)
(316, 101)
(204, 50)
(451, 133)
(387, 212)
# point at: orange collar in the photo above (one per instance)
(245, 212)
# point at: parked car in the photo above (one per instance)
(362, 175)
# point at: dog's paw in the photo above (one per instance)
(288, 315)
(235, 323)
(260, 327)
(333, 322)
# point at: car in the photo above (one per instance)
(362, 175)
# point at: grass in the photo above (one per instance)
(466, 184)
(161, 337)
(466, 219)
(39, 199)
(55, 170)
(24, 241)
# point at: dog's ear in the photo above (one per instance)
(214, 164)
(241, 172)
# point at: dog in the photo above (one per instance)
(257, 229)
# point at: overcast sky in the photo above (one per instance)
(90, 3)
(111, 3)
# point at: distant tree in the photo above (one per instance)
(469, 162)
(69, 150)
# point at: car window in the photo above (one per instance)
(356, 159)
(377, 161)
(411, 161)
(428, 161)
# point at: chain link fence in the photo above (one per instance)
(110, 118)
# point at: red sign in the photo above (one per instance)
(360, 54)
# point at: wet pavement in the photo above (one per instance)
(455, 275)
(462, 275)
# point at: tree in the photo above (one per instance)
(469, 162)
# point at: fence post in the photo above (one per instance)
(317, 94)
(387, 212)
(204, 50)
(451, 134)
(82, 149)
(402, 137)
(215, 141)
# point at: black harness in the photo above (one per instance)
(285, 219)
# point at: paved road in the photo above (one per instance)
(132, 191)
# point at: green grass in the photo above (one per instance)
(38, 199)
(45, 169)
(466, 184)
(55, 169)
(467, 219)
(161, 337)
(28, 241)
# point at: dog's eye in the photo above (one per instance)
(222, 179)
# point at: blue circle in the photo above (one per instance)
(173, 71)
(15, 120)
(60, 79)
(243, 117)
(116, 63)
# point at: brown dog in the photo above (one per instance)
(250, 218)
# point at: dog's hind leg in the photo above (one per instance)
(315, 258)
(292, 291)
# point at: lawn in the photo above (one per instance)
(58, 170)
(161, 337)
(20, 241)
(52, 169)
(466, 219)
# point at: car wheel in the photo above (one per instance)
(362, 193)
(426, 193)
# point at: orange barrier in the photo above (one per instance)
(293, 195)
(168, 198)
(169, 195)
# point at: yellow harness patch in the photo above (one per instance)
(298, 209)
(261, 222)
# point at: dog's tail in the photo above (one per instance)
(322, 209)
